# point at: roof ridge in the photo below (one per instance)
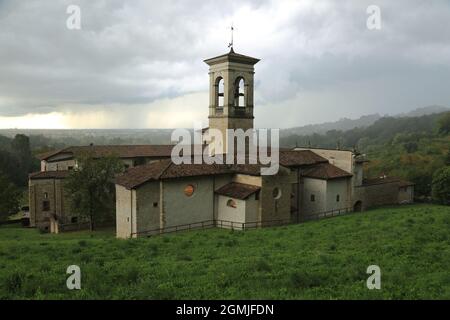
(165, 169)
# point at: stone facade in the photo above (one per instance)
(48, 202)
(382, 193)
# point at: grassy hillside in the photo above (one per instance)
(323, 259)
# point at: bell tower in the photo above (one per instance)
(231, 91)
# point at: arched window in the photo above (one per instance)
(276, 193)
(239, 93)
(220, 89)
(231, 203)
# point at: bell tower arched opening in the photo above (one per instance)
(219, 89)
(239, 93)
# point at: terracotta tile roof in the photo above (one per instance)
(384, 180)
(49, 175)
(138, 175)
(166, 169)
(192, 170)
(297, 158)
(121, 151)
(238, 190)
(288, 157)
(45, 155)
(325, 171)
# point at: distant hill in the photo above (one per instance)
(342, 124)
(362, 122)
(381, 131)
(424, 111)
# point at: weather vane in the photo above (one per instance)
(230, 45)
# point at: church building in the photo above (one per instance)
(155, 195)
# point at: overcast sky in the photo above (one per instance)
(139, 64)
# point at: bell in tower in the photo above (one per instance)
(231, 91)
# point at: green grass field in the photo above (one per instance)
(324, 259)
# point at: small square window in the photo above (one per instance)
(74, 220)
(155, 204)
(70, 168)
(338, 198)
(313, 198)
(45, 195)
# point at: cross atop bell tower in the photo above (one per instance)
(231, 91)
(230, 45)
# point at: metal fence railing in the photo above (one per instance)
(234, 225)
(326, 214)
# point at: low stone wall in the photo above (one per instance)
(376, 195)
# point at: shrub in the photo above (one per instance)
(441, 186)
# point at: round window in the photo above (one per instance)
(189, 190)
(231, 203)
(276, 193)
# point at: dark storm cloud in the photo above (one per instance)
(319, 61)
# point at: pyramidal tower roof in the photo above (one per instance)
(232, 57)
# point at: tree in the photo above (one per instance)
(441, 185)
(410, 147)
(9, 197)
(90, 188)
(447, 158)
(444, 124)
(21, 149)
